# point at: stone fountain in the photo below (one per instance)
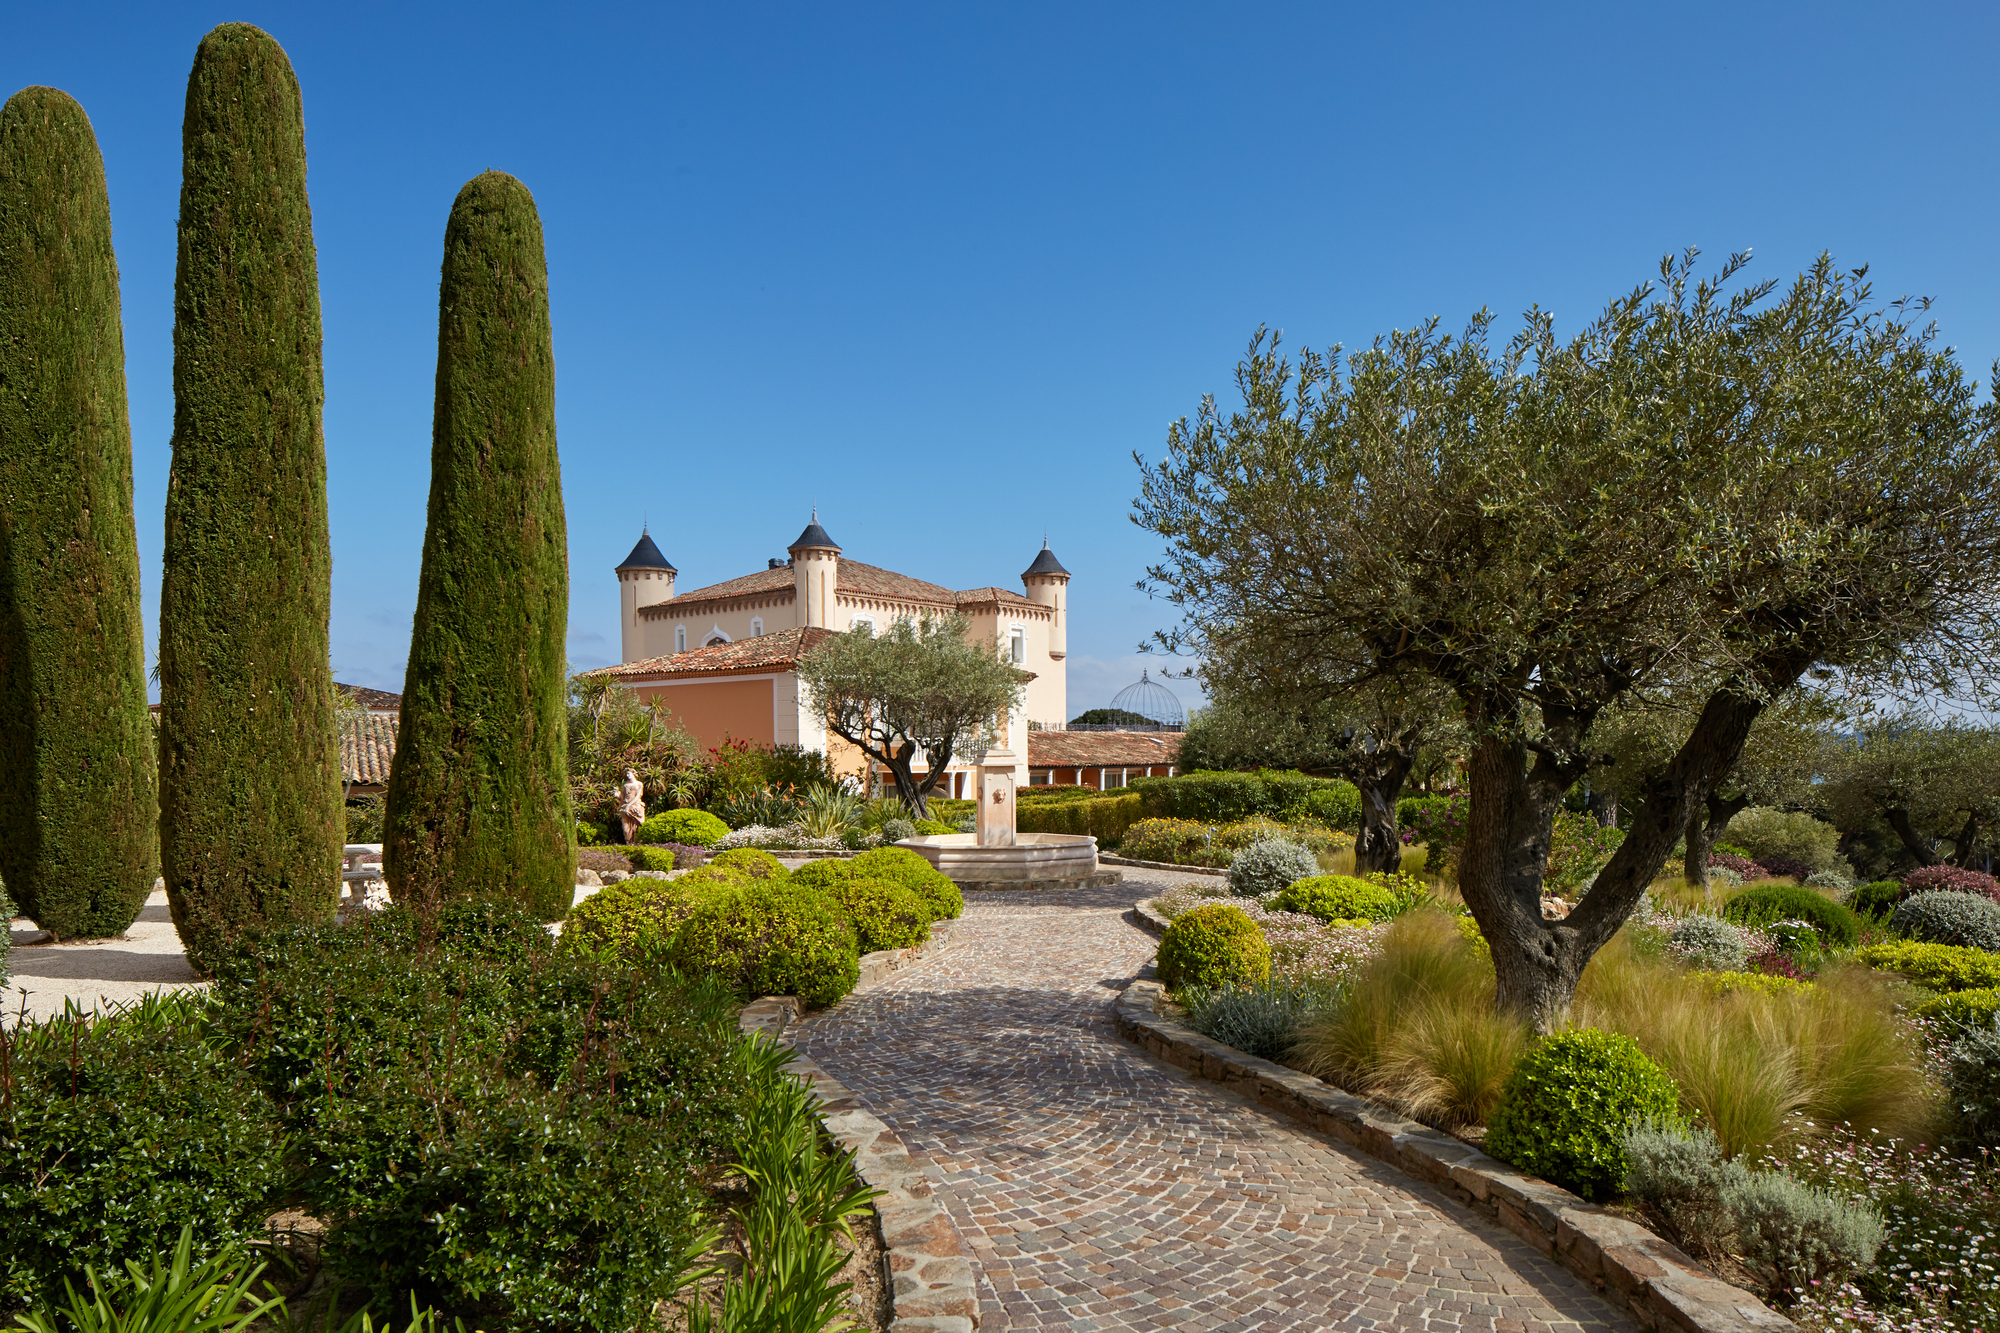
(997, 857)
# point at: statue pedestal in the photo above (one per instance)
(995, 822)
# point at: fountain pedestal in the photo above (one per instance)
(997, 857)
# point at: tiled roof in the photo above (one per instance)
(367, 745)
(854, 577)
(375, 701)
(1093, 749)
(976, 596)
(778, 649)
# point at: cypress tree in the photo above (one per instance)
(478, 801)
(250, 801)
(78, 811)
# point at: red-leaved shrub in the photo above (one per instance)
(1950, 879)
(1782, 867)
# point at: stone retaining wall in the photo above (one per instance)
(928, 1271)
(1659, 1285)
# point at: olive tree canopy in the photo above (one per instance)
(920, 687)
(1713, 480)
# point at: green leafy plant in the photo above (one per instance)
(635, 919)
(1214, 945)
(1835, 925)
(828, 809)
(690, 828)
(1963, 1009)
(772, 939)
(1945, 967)
(174, 1294)
(1339, 897)
(1567, 1107)
(1764, 833)
(752, 864)
(900, 865)
(885, 915)
(1875, 901)
(1169, 840)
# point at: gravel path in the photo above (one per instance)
(1100, 1189)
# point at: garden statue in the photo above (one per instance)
(631, 805)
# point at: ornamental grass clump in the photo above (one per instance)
(1269, 866)
(1216, 945)
(1416, 1025)
(1942, 917)
(1570, 1102)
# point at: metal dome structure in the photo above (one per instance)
(1152, 701)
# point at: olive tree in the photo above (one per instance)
(1930, 781)
(1712, 480)
(922, 687)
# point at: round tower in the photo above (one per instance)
(815, 574)
(1047, 583)
(644, 579)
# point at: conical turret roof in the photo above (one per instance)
(647, 556)
(1045, 563)
(814, 535)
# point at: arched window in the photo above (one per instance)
(756, 626)
(715, 636)
(680, 638)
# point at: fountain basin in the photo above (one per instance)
(1035, 861)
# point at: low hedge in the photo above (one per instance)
(1219, 798)
(1767, 903)
(1943, 967)
(1105, 818)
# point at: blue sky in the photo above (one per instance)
(941, 269)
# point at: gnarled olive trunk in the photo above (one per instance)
(1380, 780)
(1703, 827)
(1899, 820)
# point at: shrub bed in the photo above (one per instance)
(900, 865)
(1943, 967)
(885, 915)
(1218, 798)
(1950, 879)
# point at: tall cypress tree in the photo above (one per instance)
(250, 806)
(78, 811)
(478, 798)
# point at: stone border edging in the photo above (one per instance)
(1658, 1285)
(931, 1283)
(1161, 865)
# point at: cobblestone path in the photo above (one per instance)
(1099, 1189)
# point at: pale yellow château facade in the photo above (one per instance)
(721, 657)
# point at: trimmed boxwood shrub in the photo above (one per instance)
(117, 1134)
(751, 863)
(1220, 798)
(690, 828)
(1105, 817)
(1944, 917)
(900, 865)
(772, 939)
(635, 919)
(824, 874)
(885, 915)
(1213, 945)
(1766, 903)
(1567, 1106)
(1338, 897)
(1268, 866)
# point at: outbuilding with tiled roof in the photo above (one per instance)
(1101, 759)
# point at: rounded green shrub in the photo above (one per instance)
(690, 828)
(932, 828)
(1169, 840)
(895, 830)
(752, 864)
(885, 915)
(1337, 806)
(649, 858)
(1269, 866)
(1215, 945)
(1963, 1009)
(772, 939)
(1338, 897)
(1944, 917)
(635, 919)
(1569, 1103)
(823, 874)
(1875, 901)
(715, 874)
(1765, 834)
(1835, 925)
(900, 865)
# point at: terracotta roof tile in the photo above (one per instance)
(375, 701)
(975, 596)
(1092, 749)
(780, 648)
(367, 746)
(855, 578)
